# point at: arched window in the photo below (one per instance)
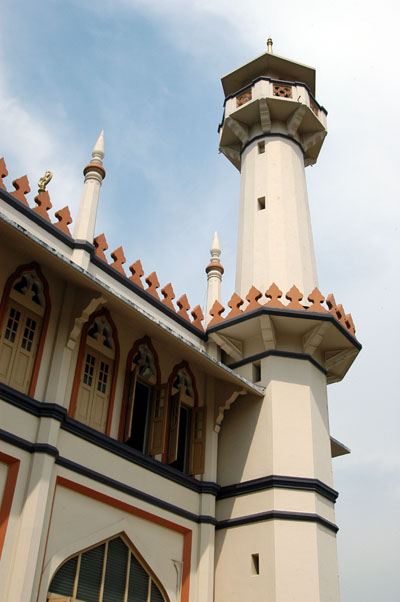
(94, 382)
(24, 317)
(143, 411)
(109, 572)
(186, 438)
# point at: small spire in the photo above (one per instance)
(215, 246)
(96, 164)
(214, 272)
(215, 253)
(94, 175)
(269, 45)
(98, 149)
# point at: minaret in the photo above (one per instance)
(94, 175)
(272, 128)
(276, 536)
(214, 272)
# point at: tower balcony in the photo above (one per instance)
(268, 107)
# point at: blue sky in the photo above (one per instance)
(148, 73)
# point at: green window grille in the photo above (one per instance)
(108, 572)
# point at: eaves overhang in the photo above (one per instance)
(192, 348)
(286, 313)
(268, 64)
(65, 244)
(334, 352)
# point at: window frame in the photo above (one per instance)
(152, 578)
(129, 370)
(196, 411)
(83, 347)
(17, 274)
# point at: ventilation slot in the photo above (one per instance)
(261, 203)
(255, 564)
(256, 372)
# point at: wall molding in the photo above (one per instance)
(47, 410)
(278, 482)
(158, 502)
(275, 353)
(276, 515)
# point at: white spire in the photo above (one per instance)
(215, 247)
(214, 276)
(98, 149)
(94, 175)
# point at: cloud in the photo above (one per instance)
(33, 141)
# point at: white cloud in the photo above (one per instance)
(31, 143)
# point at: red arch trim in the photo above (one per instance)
(34, 266)
(79, 366)
(8, 494)
(135, 511)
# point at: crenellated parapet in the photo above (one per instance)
(42, 199)
(181, 307)
(164, 297)
(272, 299)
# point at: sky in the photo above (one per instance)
(148, 73)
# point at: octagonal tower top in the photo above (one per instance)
(271, 95)
(268, 65)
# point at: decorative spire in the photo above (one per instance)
(94, 174)
(214, 272)
(215, 248)
(98, 150)
(96, 164)
(269, 45)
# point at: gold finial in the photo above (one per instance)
(42, 183)
(269, 45)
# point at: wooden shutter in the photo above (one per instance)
(197, 440)
(20, 338)
(174, 421)
(94, 390)
(98, 417)
(131, 403)
(156, 439)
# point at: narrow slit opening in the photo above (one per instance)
(255, 564)
(261, 203)
(261, 147)
(256, 369)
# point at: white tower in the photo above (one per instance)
(272, 128)
(276, 536)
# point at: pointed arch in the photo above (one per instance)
(112, 567)
(185, 443)
(26, 316)
(144, 342)
(183, 366)
(96, 359)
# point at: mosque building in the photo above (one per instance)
(154, 452)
